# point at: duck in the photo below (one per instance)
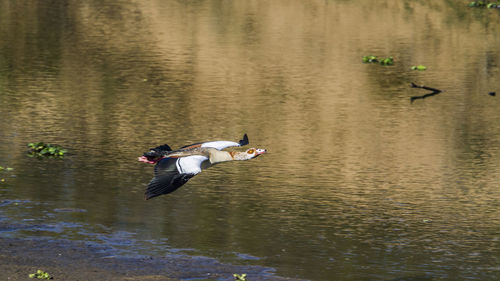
(174, 168)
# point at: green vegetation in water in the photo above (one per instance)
(41, 149)
(5, 169)
(419, 67)
(485, 4)
(40, 274)
(369, 59)
(375, 59)
(242, 277)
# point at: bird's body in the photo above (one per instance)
(174, 168)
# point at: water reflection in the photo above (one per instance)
(359, 184)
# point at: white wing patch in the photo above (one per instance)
(219, 145)
(190, 164)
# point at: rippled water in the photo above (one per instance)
(359, 182)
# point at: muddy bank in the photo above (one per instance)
(70, 260)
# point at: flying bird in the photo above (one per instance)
(173, 168)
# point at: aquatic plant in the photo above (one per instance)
(487, 4)
(242, 277)
(369, 59)
(40, 274)
(375, 59)
(477, 4)
(6, 168)
(42, 149)
(419, 67)
(387, 61)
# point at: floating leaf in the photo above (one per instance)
(6, 168)
(419, 67)
(382, 61)
(387, 61)
(238, 277)
(483, 4)
(42, 149)
(368, 59)
(40, 274)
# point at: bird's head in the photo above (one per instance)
(250, 153)
(145, 159)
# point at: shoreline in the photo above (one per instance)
(77, 260)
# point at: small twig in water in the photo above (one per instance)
(434, 92)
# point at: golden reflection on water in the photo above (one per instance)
(359, 182)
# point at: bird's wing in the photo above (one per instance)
(190, 164)
(219, 145)
(171, 173)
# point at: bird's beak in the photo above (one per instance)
(260, 151)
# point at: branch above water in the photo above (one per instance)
(433, 93)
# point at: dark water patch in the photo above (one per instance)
(69, 210)
(246, 257)
(4, 203)
(419, 277)
(122, 249)
(7, 227)
(80, 260)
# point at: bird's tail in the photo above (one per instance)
(244, 140)
(155, 154)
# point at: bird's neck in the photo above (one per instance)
(217, 156)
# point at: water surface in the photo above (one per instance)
(359, 183)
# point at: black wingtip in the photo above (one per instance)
(155, 188)
(165, 183)
(148, 196)
(244, 141)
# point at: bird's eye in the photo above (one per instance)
(251, 151)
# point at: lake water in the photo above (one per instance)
(359, 182)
